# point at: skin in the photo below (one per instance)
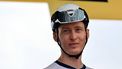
(72, 37)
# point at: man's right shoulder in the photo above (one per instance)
(54, 66)
(51, 66)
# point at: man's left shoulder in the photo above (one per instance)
(88, 68)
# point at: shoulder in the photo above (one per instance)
(88, 68)
(51, 66)
(54, 66)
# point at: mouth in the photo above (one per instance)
(73, 45)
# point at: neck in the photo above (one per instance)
(71, 61)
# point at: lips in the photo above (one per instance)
(73, 44)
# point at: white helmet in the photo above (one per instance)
(69, 13)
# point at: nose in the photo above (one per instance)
(73, 35)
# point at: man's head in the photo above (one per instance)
(69, 25)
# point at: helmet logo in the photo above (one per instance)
(70, 12)
(57, 21)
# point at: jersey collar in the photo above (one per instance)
(67, 66)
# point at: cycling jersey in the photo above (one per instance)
(60, 65)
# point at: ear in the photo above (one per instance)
(87, 33)
(55, 36)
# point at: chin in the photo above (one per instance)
(74, 52)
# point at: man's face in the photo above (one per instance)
(72, 37)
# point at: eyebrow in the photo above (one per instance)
(74, 27)
(79, 27)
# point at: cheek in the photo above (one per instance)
(82, 39)
(63, 39)
(82, 36)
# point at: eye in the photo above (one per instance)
(78, 30)
(66, 31)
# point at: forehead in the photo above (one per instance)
(72, 25)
